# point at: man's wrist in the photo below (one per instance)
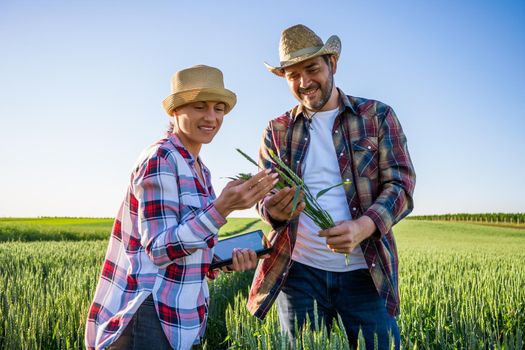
(274, 222)
(368, 226)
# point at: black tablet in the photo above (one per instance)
(251, 240)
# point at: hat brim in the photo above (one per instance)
(182, 98)
(331, 47)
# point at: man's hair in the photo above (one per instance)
(326, 58)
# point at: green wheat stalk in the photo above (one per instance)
(289, 178)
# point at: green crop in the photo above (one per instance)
(462, 286)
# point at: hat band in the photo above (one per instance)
(302, 52)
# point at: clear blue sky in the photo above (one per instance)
(81, 84)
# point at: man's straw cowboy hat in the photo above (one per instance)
(198, 83)
(299, 43)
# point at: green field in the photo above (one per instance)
(78, 229)
(462, 287)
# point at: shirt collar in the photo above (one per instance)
(344, 101)
(174, 139)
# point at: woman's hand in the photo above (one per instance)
(243, 259)
(240, 194)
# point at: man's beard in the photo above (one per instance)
(326, 92)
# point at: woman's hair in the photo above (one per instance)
(171, 125)
(169, 129)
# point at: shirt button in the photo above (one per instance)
(297, 162)
(337, 131)
(306, 138)
(354, 208)
(341, 154)
(369, 147)
(373, 265)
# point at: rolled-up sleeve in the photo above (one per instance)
(164, 236)
(396, 175)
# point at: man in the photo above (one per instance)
(152, 293)
(329, 138)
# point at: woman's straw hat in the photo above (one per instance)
(198, 83)
(299, 43)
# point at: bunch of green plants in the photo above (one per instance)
(288, 177)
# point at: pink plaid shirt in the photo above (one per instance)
(167, 212)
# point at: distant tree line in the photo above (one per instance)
(511, 218)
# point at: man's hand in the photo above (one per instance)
(347, 235)
(279, 205)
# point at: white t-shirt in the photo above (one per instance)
(321, 170)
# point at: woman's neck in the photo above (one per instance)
(192, 147)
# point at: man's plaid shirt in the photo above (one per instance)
(372, 153)
(167, 213)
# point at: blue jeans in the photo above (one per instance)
(351, 294)
(144, 331)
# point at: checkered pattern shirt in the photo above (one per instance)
(372, 153)
(167, 213)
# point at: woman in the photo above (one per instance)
(152, 292)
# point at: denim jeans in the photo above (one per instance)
(144, 331)
(351, 294)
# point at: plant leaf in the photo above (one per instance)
(244, 176)
(247, 157)
(296, 179)
(329, 188)
(240, 176)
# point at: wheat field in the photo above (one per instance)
(462, 286)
